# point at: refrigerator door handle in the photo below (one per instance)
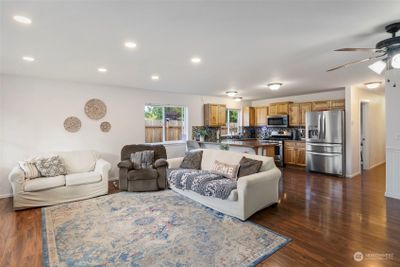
(324, 154)
(324, 125)
(319, 126)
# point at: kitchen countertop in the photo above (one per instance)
(301, 141)
(244, 143)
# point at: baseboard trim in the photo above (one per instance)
(352, 175)
(112, 179)
(6, 195)
(376, 165)
(396, 196)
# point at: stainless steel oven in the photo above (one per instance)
(278, 121)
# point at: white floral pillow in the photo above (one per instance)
(29, 169)
(50, 167)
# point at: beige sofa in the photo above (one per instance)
(87, 177)
(254, 192)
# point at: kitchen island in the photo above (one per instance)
(250, 146)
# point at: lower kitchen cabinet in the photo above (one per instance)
(295, 153)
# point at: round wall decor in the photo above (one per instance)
(95, 109)
(72, 124)
(105, 126)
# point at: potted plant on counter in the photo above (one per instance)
(202, 134)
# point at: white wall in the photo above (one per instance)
(32, 112)
(392, 95)
(330, 95)
(376, 128)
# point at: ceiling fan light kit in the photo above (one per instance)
(274, 86)
(388, 51)
(372, 85)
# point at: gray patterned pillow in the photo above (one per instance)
(192, 160)
(50, 167)
(143, 159)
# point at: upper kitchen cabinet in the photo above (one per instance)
(304, 107)
(214, 115)
(338, 104)
(321, 105)
(248, 117)
(261, 114)
(281, 108)
(294, 114)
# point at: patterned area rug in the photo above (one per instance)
(151, 229)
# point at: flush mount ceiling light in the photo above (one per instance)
(130, 44)
(195, 60)
(237, 98)
(28, 58)
(102, 70)
(155, 77)
(372, 85)
(22, 19)
(378, 67)
(274, 86)
(231, 93)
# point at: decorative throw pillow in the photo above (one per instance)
(50, 167)
(192, 160)
(249, 166)
(228, 170)
(29, 168)
(143, 159)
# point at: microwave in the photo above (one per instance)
(278, 121)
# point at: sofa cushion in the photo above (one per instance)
(227, 170)
(142, 159)
(79, 161)
(142, 174)
(50, 167)
(249, 166)
(192, 160)
(44, 183)
(82, 178)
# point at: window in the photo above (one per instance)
(233, 122)
(165, 123)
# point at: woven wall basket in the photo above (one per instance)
(72, 124)
(105, 126)
(95, 109)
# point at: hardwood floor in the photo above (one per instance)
(328, 219)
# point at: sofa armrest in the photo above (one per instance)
(103, 167)
(16, 179)
(174, 163)
(258, 190)
(161, 163)
(125, 164)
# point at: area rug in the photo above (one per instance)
(151, 229)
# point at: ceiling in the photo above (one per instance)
(243, 45)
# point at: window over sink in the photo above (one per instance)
(165, 123)
(233, 122)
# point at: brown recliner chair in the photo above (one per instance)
(151, 179)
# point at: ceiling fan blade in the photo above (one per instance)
(355, 62)
(348, 49)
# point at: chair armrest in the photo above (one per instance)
(174, 163)
(103, 167)
(161, 163)
(125, 164)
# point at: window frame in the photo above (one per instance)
(185, 124)
(228, 119)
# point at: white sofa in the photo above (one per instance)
(87, 177)
(254, 192)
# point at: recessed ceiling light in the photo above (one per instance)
(237, 98)
(29, 59)
(102, 70)
(195, 60)
(378, 67)
(231, 93)
(155, 77)
(130, 44)
(274, 86)
(372, 85)
(22, 19)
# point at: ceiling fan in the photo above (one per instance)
(388, 51)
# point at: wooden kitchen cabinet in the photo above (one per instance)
(281, 108)
(248, 117)
(261, 114)
(295, 153)
(214, 115)
(321, 105)
(273, 109)
(304, 107)
(294, 114)
(338, 104)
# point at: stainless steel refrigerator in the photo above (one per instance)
(325, 142)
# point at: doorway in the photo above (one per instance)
(364, 155)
